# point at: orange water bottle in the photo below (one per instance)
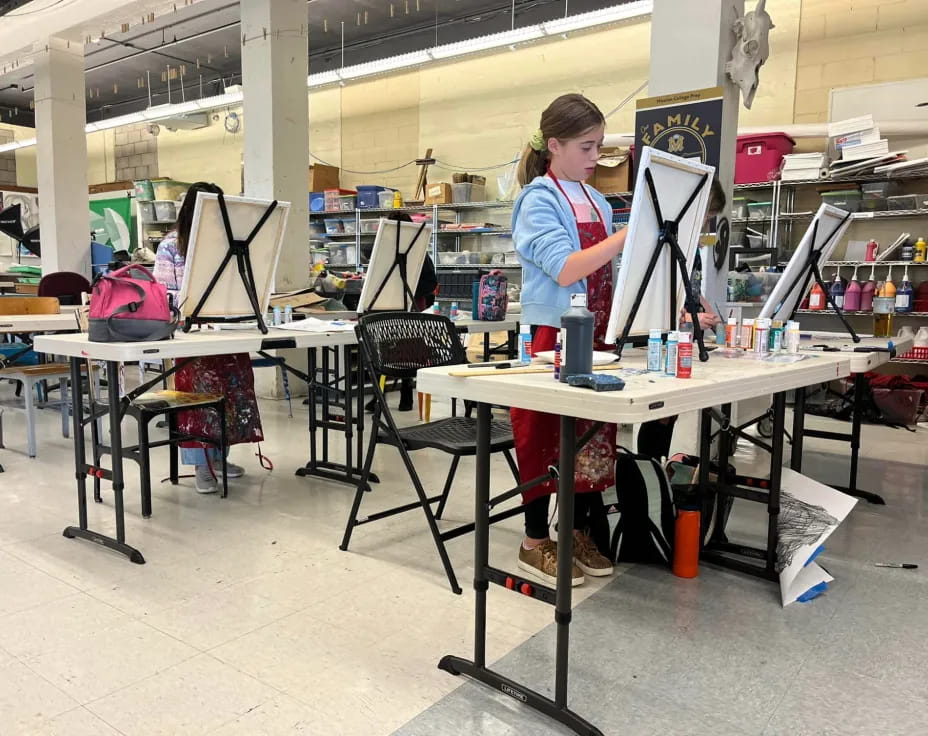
(686, 543)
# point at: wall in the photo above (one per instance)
(851, 42)
(209, 153)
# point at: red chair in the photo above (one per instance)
(65, 285)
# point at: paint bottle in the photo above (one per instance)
(792, 337)
(872, 249)
(686, 536)
(557, 355)
(921, 251)
(762, 336)
(908, 251)
(747, 334)
(816, 298)
(685, 355)
(654, 350)
(670, 363)
(889, 288)
(867, 292)
(776, 336)
(454, 313)
(397, 200)
(577, 323)
(278, 316)
(288, 314)
(852, 294)
(525, 343)
(731, 333)
(904, 294)
(837, 291)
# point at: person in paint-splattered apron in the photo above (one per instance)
(562, 229)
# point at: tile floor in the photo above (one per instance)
(247, 619)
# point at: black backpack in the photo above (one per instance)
(644, 532)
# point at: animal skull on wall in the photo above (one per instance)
(752, 48)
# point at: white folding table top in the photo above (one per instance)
(860, 362)
(38, 322)
(192, 344)
(645, 397)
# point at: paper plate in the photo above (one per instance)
(599, 357)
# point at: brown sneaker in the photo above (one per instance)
(541, 562)
(588, 558)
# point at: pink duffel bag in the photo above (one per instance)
(128, 305)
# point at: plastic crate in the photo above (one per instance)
(368, 197)
(758, 157)
(459, 283)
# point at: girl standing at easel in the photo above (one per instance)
(562, 231)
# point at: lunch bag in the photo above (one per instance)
(128, 305)
(493, 297)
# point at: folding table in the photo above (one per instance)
(646, 397)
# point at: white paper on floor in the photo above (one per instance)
(809, 512)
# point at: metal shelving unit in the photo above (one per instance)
(859, 314)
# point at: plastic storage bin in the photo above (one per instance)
(903, 202)
(165, 211)
(333, 226)
(385, 199)
(146, 211)
(144, 192)
(760, 210)
(317, 202)
(873, 204)
(878, 189)
(847, 199)
(347, 202)
(758, 157)
(349, 226)
(332, 203)
(368, 197)
(369, 227)
(739, 206)
(464, 193)
(168, 189)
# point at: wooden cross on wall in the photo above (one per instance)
(423, 182)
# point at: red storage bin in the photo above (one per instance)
(758, 157)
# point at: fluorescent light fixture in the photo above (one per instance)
(15, 145)
(599, 17)
(487, 43)
(234, 95)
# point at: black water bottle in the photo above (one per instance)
(577, 324)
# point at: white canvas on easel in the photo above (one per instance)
(383, 288)
(829, 226)
(675, 179)
(208, 245)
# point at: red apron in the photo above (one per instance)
(537, 434)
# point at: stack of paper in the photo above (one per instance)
(800, 166)
(866, 166)
(916, 166)
(864, 151)
(851, 126)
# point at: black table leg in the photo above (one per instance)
(555, 709)
(860, 390)
(776, 472)
(799, 427)
(114, 475)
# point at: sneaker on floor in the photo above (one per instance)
(232, 470)
(206, 482)
(588, 558)
(541, 561)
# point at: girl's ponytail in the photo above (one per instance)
(534, 163)
(569, 116)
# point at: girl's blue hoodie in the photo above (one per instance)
(545, 234)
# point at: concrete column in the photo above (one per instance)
(690, 43)
(276, 116)
(61, 156)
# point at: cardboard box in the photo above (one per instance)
(439, 193)
(323, 177)
(613, 171)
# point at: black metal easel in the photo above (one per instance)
(400, 263)
(812, 270)
(667, 236)
(238, 249)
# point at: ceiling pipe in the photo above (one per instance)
(798, 130)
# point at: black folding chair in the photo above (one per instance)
(397, 345)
